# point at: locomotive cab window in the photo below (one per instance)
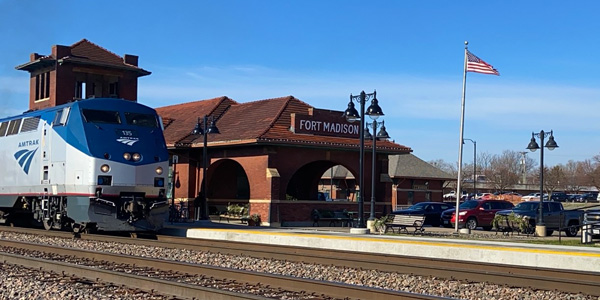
(61, 116)
(144, 120)
(101, 116)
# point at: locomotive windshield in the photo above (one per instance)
(101, 116)
(145, 120)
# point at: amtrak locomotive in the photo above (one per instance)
(95, 164)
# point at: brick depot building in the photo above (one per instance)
(275, 154)
(272, 155)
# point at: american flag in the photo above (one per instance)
(476, 64)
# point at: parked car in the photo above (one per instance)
(557, 196)
(555, 216)
(488, 196)
(531, 197)
(585, 197)
(475, 213)
(452, 195)
(481, 195)
(431, 210)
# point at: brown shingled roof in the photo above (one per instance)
(88, 53)
(264, 121)
(184, 117)
(87, 50)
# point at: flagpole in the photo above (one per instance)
(458, 193)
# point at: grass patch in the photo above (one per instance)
(584, 206)
(560, 243)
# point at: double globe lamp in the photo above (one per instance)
(352, 115)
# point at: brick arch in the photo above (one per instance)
(227, 179)
(304, 182)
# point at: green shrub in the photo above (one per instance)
(513, 221)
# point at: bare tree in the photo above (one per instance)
(571, 182)
(592, 171)
(504, 170)
(446, 167)
(552, 178)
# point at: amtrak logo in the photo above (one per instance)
(127, 141)
(24, 157)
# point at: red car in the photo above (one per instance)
(475, 213)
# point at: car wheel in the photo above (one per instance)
(471, 223)
(572, 230)
(549, 232)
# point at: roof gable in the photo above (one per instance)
(180, 119)
(88, 50)
(408, 165)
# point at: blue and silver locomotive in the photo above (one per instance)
(96, 164)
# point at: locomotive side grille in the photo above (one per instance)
(30, 124)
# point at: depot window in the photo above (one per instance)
(101, 116)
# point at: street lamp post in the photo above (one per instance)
(540, 227)
(204, 131)
(474, 166)
(351, 114)
(382, 134)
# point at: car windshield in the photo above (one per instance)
(417, 206)
(469, 205)
(526, 206)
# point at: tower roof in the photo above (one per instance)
(83, 52)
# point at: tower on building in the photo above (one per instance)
(82, 70)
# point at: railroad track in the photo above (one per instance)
(549, 279)
(94, 265)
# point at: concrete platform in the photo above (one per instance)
(340, 238)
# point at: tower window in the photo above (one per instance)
(42, 86)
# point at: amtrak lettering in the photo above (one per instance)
(29, 143)
(326, 125)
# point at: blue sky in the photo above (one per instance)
(319, 51)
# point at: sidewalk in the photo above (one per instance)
(179, 229)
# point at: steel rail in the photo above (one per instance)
(571, 281)
(164, 287)
(331, 289)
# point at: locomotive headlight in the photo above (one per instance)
(127, 156)
(159, 170)
(136, 157)
(104, 168)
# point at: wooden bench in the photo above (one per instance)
(235, 212)
(333, 217)
(504, 224)
(402, 222)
